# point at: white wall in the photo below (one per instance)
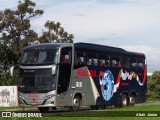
(8, 96)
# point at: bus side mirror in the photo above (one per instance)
(11, 69)
(54, 69)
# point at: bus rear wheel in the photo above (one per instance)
(124, 101)
(43, 109)
(132, 100)
(76, 104)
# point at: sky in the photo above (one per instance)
(130, 24)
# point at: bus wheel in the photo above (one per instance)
(132, 100)
(124, 101)
(76, 104)
(43, 109)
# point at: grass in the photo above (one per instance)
(10, 108)
(13, 108)
(111, 113)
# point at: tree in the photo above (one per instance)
(55, 33)
(154, 85)
(15, 24)
(7, 57)
(16, 32)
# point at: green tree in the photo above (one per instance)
(54, 32)
(15, 24)
(7, 57)
(16, 32)
(154, 85)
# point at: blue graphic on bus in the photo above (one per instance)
(107, 84)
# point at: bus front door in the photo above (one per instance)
(64, 73)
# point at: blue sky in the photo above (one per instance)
(130, 24)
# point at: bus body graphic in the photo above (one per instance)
(107, 84)
(80, 74)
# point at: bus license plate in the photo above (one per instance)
(33, 103)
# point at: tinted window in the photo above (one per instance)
(80, 57)
(116, 61)
(104, 59)
(125, 62)
(141, 63)
(91, 57)
(66, 55)
(133, 62)
(39, 56)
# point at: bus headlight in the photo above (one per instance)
(49, 96)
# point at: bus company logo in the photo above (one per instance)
(34, 96)
(86, 73)
(106, 80)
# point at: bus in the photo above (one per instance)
(72, 75)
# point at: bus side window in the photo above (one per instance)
(80, 58)
(104, 59)
(125, 62)
(133, 62)
(141, 63)
(92, 58)
(116, 61)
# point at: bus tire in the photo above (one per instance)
(76, 104)
(43, 109)
(124, 101)
(132, 100)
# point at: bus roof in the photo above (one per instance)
(105, 48)
(83, 45)
(47, 46)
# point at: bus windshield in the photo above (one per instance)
(39, 56)
(36, 79)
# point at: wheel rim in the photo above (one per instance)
(76, 102)
(124, 101)
(132, 100)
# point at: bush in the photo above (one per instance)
(6, 80)
(154, 86)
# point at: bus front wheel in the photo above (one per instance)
(76, 104)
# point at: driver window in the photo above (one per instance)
(66, 56)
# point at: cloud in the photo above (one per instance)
(133, 24)
(12, 4)
(78, 14)
(140, 48)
